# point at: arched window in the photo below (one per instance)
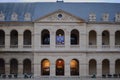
(92, 67)
(27, 37)
(117, 38)
(60, 37)
(27, 66)
(117, 66)
(13, 66)
(60, 67)
(74, 37)
(105, 38)
(2, 66)
(14, 38)
(92, 38)
(45, 37)
(45, 67)
(74, 67)
(105, 66)
(2, 38)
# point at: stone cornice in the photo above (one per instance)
(14, 23)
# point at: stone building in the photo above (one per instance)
(60, 39)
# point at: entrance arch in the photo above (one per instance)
(2, 66)
(105, 66)
(45, 67)
(27, 66)
(13, 66)
(117, 66)
(60, 67)
(92, 67)
(74, 67)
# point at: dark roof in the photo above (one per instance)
(41, 9)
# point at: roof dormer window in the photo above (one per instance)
(117, 17)
(14, 17)
(27, 17)
(92, 17)
(2, 17)
(105, 17)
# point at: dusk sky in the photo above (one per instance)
(113, 1)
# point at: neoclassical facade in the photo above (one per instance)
(60, 43)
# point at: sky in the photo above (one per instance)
(110, 1)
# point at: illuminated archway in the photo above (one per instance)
(60, 67)
(45, 67)
(74, 67)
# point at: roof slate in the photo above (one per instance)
(40, 9)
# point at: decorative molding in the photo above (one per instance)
(59, 16)
(2, 24)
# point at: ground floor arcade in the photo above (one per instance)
(79, 64)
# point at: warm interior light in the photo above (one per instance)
(73, 64)
(46, 64)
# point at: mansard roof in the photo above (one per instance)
(40, 9)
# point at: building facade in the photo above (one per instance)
(60, 39)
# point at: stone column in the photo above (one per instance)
(112, 41)
(52, 39)
(99, 41)
(83, 70)
(37, 67)
(67, 69)
(32, 40)
(7, 68)
(99, 69)
(112, 67)
(7, 41)
(83, 41)
(20, 41)
(20, 68)
(52, 69)
(37, 41)
(67, 39)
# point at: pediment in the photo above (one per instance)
(59, 16)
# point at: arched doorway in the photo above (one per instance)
(27, 66)
(2, 38)
(2, 66)
(27, 38)
(105, 38)
(60, 37)
(105, 66)
(92, 38)
(14, 39)
(45, 37)
(60, 67)
(13, 66)
(74, 67)
(117, 38)
(45, 67)
(74, 37)
(92, 67)
(117, 66)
